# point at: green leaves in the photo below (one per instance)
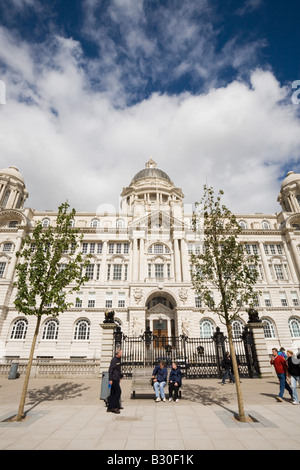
(223, 265)
(42, 285)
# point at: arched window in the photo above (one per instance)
(95, 223)
(45, 223)
(50, 330)
(207, 328)
(158, 248)
(294, 326)
(266, 225)
(237, 328)
(120, 223)
(19, 329)
(82, 330)
(242, 224)
(269, 330)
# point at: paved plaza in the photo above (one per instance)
(67, 414)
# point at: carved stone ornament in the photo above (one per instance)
(183, 294)
(138, 294)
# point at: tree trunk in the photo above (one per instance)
(241, 416)
(21, 414)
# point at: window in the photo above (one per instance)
(159, 271)
(126, 248)
(117, 276)
(7, 246)
(120, 223)
(279, 249)
(267, 299)
(82, 330)
(92, 248)
(94, 223)
(278, 271)
(13, 223)
(2, 268)
(45, 223)
(283, 299)
(158, 248)
(125, 271)
(266, 225)
(89, 272)
(109, 300)
(84, 247)
(78, 302)
(92, 299)
(242, 224)
(5, 199)
(198, 303)
(294, 326)
(269, 330)
(19, 329)
(98, 272)
(272, 249)
(99, 248)
(119, 248)
(50, 331)
(207, 329)
(237, 329)
(108, 272)
(295, 299)
(111, 248)
(121, 299)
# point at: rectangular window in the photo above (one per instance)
(256, 301)
(109, 300)
(198, 303)
(78, 303)
(111, 248)
(125, 271)
(98, 272)
(295, 299)
(89, 272)
(119, 248)
(159, 271)
(7, 246)
(117, 276)
(266, 248)
(121, 299)
(272, 249)
(254, 249)
(279, 249)
(267, 299)
(92, 299)
(283, 299)
(247, 248)
(92, 247)
(108, 272)
(278, 271)
(158, 248)
(168, 271)
(149, 270)
(99, 248)
(126, 248)
(84, 247)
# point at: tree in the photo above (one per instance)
(223, 266)
(49, 268)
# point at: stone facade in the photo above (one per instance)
(140, 268)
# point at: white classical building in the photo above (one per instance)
(140, 268)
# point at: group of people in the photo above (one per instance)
(160, 378)
(287, 366)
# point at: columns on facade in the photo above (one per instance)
(265, 263)
(177, 260)
(291, 264)
(185, 266)
(104, 257)
(141, 261)
(295, 256)
(135, 259)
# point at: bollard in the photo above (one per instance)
(13, 373)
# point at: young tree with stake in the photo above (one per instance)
(46, 274)
(225, 267)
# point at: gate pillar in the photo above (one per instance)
(107, 345)
(262, 355)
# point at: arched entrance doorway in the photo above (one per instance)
(160, 316)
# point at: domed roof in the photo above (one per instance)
(151, 172)
(12, 171)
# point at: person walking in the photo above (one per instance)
(294, 374)
(174, 382)
(159, 376)
(114, 376)
(227, 365)
(280, 366)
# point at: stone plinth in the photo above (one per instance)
(107, 345)
(261, 349)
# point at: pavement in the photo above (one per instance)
(67, 414)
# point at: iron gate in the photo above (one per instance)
(197, 357)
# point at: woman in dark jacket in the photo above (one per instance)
(174, 381)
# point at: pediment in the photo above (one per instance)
(158, 220)
(159, 308)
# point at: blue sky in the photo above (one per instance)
(204, 87)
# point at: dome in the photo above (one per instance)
(151, 172)
(290, 178)
(13, 172)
